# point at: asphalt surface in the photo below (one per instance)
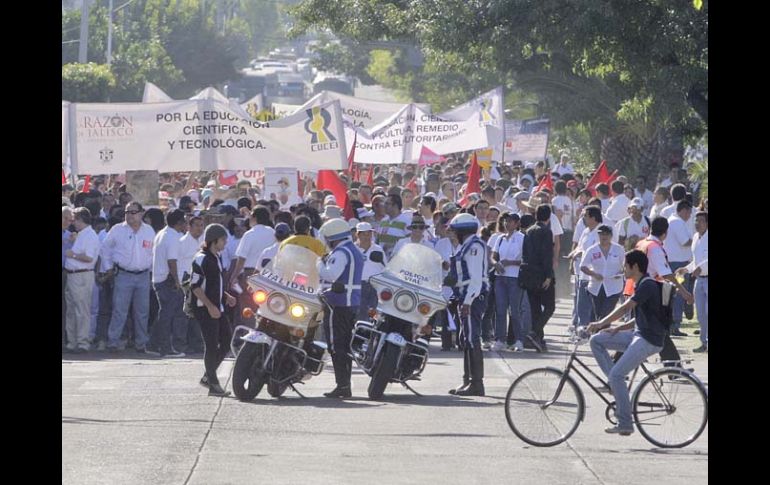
(129, 419)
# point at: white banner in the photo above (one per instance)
(153, 94)
(254, 105)
(201, 135)
(284, 110)
(402, 137)
(362, 113)
(526, 140)
(488, 109)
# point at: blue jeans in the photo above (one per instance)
(368, 300)
(471, 325)
(95, 298)
(105, 310)
(130, 288)
(489, 314)
(507, 300)
(526, 313)
(585, 307)
(702, 307)
(678, 305)
(635, 350)
(603, 304)
(170, 317)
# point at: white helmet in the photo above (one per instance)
(335, 230)
(464, 223)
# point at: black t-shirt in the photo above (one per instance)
(647, 295)
(207, 274)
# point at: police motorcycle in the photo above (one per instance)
(390, 348)
(280, 351)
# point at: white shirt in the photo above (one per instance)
(587, 239)
(609, 267)
(567, 207)
(493, 241)
(130, 250)
(555, 226)
(477, 270)
(579, 228)
(165, 247)
(253, 242)
(510, 248)
(562, 169)
(269, 254)
(408, 240)
(605, 204)
(188, 248)
(700, 252)
(370, 267)
(669, 210)
(618, 209)
(229, 253)
(87, 243)
(656, 210)
(676, 243)
(629, 227)
(658, 265)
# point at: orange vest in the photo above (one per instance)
(644, 246)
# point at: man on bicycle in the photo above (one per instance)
(638, 339)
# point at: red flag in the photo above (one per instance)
(601, 175)
(412, 185)
(370, 177)
(474, 175)
(428, 157)
(612, 178)
(87, 184)
(330, 180)
(545, 183)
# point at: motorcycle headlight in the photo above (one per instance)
(277, 303)
(297, 310)
(405, 301)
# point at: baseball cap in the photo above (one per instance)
(364, 227)
(604, 229)
(636, 202)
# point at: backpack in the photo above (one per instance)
(666, 314)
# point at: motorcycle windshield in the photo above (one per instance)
(417, 265)
(295, 264)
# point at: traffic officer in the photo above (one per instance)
(468, 277)
(340, 273)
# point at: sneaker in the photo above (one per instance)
(174, 354)
(537, 344)
(701, 349)
(486, 345)
(154, 353)
(517, 346)
(498, 347)
(697, 332)
(204, 381)
(678, 333)
(619, 430)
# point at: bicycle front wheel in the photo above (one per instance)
(544, 407)
(670, 408)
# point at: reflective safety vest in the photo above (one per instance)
(458, 267)
(350, 277)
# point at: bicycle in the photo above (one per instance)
(544, 406)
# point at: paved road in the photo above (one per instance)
(128, 420)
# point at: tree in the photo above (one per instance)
(86, 83)
(632, 70)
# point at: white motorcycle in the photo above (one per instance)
(390, 347)
(281, 351)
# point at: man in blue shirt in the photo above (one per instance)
(638, 339)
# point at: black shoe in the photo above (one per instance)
(339, 392)
(476, 388)
(701, 349)
(216, 390)
(542, 344)
(141, 350)
(460, 388)
(535, 343)
(204, 381)
(697, 332)
(678, 333)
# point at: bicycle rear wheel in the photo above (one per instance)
(670, 408)
(540, 410)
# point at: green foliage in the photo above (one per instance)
(699, 172)
(86, 83)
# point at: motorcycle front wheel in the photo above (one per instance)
(248, 377)
(276, 390)
(384, 370)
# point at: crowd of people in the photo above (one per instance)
(125, 267)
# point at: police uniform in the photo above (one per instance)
(469, 270)
(343, 269)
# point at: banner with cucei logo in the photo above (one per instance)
(361, 113)
(201, 134)
(488, 109)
